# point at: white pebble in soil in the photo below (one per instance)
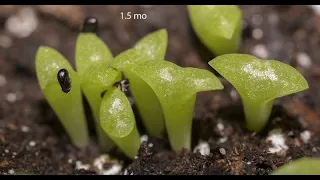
(144, 138)
(304, 60)
(223, 140)
(25, 129)
(278, 143)
(103, 159)
(220, 126)
(80, 165)
(203, 148)
(222, 151)
(305, 136)
(257, 33)
(11, 171)
(32, 143)
(23, 23)
(11, 97)
(261, 51)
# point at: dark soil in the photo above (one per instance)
(32, 140)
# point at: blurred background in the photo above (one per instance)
(290, 34)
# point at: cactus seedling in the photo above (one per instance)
(151, 47)
(175, 89)
(217, 26)
(52, 71)
(92, 58)
(259, 83)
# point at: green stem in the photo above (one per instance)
(178, 120)
(71, 114)
(129, 144)
(257, 114)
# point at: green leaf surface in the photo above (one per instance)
(92, 60)
(217, 26)
(67, 106)
(153, 45)
(98, 80)
(176, 89)
(127, 59)
(118, 121)
(258, 82)
(90, 49)
(302, 166)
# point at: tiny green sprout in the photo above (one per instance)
(217, 26)
(92, 60)
(302, 166)
(151, 47)
(61, 87)
(175, 88)
(259, 83)
(118, 121)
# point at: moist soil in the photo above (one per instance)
(32, 141)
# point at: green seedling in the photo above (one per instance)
(61, 88)
(259, 83)
(118, 121)
(175, 89)
(302, 166)
(92, 60)
(149, 48)
(217, 26)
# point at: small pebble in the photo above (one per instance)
(6, 151)
(223, 140)
(14, 153)
(69, 161)
(11, 171)
(248, 162)
(220, 126)
(150, 145)
(260, 51)
(222, 151)
(304, 60)
(25, 129)
(3, 80)
(314, 149)
(32, 143)
(136, 157)
(305, 136)
(257, 33)
(203, 148)
(144, 138)
(22, 24)
(79, 166)
(11, 97)
(278, 143)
